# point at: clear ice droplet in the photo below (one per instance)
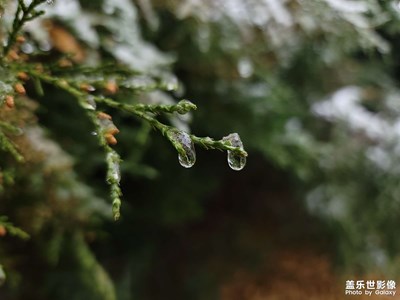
(235, 161)
(188, 159)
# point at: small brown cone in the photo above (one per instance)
(3, 230)
(111, 140)
(19, 88)
(22, 76)
(111, 87)
(9, 100)
(103, 116)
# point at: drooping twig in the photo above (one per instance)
(23, 14)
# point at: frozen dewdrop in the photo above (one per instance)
(188, 158)
(235, 161)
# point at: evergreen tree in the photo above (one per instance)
(311, 87)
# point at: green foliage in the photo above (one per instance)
(11, 229)
(83, 276)
(82, 83)
(315, 92)
(96, 72)
(311, 86)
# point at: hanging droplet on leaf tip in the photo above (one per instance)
(188, 158)
(235, 161)
(186, 161)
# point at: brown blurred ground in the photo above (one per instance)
(296, 275)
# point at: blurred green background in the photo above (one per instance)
(311, 86)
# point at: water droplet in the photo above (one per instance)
(187, 159)
(235, 161)
(93, 133)
(50, 1)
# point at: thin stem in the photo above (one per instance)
(209, 143)
(182, 107)
(28, 13)
(136, 110)
(143, 111)
(139, 110)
